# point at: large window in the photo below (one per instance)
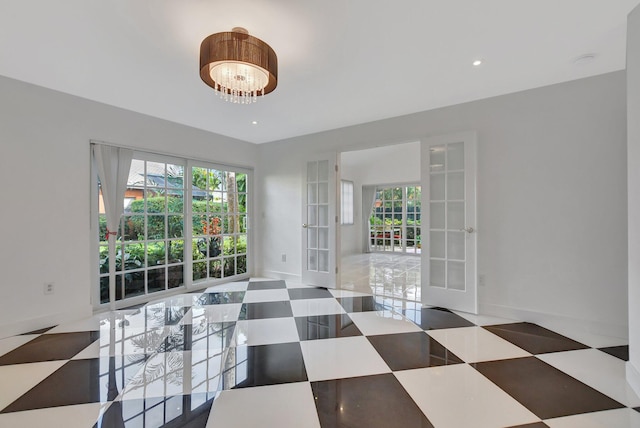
(346, 202)
(171, 233)
(395, 220)
(219, 208)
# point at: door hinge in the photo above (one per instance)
(336, 168)
(336, 219)
(336, 269)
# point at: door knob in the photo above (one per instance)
(305, 225)
(468, 229)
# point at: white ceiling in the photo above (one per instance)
(340, 62)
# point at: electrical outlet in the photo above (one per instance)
(482, 280)
(48, 288)
(284, 258)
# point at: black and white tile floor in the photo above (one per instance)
(269, 354)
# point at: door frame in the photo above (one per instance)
(330, 279)
(466, 301)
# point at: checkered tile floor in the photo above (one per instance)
(269, 354)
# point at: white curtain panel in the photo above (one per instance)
(368, 201)
(113, 165)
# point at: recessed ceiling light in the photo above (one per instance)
(255, 122)
(477, 63)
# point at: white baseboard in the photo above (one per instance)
(279, 275)
(574, 328)
(633, 377)
(45, 321)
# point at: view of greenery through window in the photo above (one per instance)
(395, 220)
(150, 249)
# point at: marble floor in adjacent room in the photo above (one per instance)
(268, 353)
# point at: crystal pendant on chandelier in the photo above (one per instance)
(238, 82)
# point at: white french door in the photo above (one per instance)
(448, 178)
(319, 214)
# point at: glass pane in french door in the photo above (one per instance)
(447, 251)
(317, 220)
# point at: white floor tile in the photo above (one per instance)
(348, 293)
(383, 322)
(600, 371)
(619, 418)
(102, 321)
(213, 314)
(265, 331)
(13, 342)
(594, 340)
(78, 416)
(277, 406)
(484, 319)
(178, 300)
(230, 286)
(277, 295)
(125, 341)
(20, 378)
(459, 396)
(474, 344)
(309, 307)
(341, 358)
(296, 284)
(175, 373)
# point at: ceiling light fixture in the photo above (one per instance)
(239, 66)
(477, 63)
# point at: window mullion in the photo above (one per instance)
(188, 227)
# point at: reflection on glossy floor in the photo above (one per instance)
(383, 274)
(273, 354)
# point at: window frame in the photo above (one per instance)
(347, 204)
(187, 234)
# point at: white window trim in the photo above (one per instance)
(188, 265)
(347, 215)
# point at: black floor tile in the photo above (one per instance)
(188, 337)
(309, 293)
(543, 389)
(221, 298)
(361, 304)
(190, 411)
(405, 351)
(621, 352)
(266, 285)
(254, 311)
(533, 338)
(247, 366)
(50, 347)
(80, 382)
(370, 401)
(40, 331)
(436, 318)
(533, 425)
(159, 315)
(326, 327)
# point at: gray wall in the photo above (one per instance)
(552, 233)
(45, 176)
(633, 123)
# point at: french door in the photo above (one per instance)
(448, 177)
(319, 214)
